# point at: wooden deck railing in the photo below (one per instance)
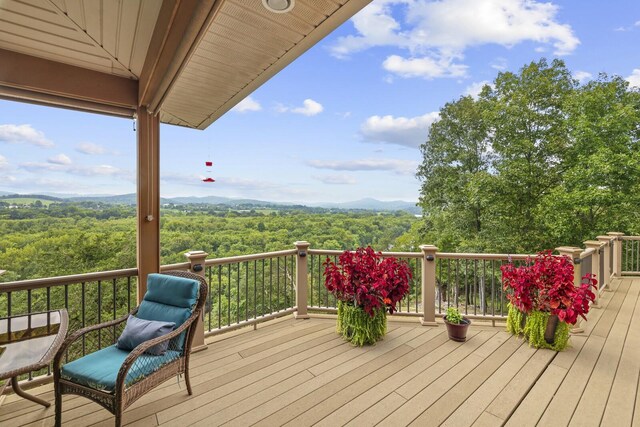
(246, 290)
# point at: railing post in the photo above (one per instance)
(428, 285)
(595, 266)
(197, 259)
(606, 253)
(574, 254)
(617, 252)
(302, 285)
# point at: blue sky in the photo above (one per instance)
(342, 122)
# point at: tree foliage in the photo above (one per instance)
(536, 161)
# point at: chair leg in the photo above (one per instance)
(58, 403)
(188, 381)
(118, 418)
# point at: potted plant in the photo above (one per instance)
(543, 300)
(456, 325)
(366, 286)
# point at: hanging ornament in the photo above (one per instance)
(209, 166)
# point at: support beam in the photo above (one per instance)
(180, 25)
(27, 78)
(148, 126)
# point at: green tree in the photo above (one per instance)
(537, 161)
(455, 172)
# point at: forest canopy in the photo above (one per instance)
(536, 161)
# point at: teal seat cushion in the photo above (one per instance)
(99, 370)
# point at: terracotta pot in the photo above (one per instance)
(550, 331)
(458, 332)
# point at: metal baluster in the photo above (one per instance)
(246, 290)
(270, 285)
(84, 348)
(255, 291)
(278, 283)
(129, 294)
(319, 282)
(238, 295)
(115, 314)
(493, 291)
(311, 275)
(439, 264)
(29, 312)
(263, 292)
(210, 276)
(475, 291)
(99, 313)
(219, 296)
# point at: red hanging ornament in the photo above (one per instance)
(208, 180)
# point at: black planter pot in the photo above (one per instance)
(550, 331)
(458, 332)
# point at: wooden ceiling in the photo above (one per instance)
(220, 50)
(109, 36)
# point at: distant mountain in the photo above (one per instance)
(4, 193)
(216, 200)
(373, 204)
(130, 199)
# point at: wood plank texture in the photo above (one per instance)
(300, 373)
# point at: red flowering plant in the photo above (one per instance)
(546, 284)
(365, 279)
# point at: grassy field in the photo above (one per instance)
(25, 201)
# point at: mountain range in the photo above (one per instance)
(130, 199)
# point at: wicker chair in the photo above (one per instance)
(116, 378)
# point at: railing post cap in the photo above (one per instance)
(569, 250)
(301, 244)
(592, 243)
(428, 248)
(604, 238)
(615, 233)
(195, 254)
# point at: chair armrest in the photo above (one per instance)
(80, 332)
(143, 347)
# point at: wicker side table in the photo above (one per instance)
(28, 343)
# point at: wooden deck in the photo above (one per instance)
(300, 373)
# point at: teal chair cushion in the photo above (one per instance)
(99, 370)
(172, 290)
(169, 299)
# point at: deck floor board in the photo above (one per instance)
(299, 373)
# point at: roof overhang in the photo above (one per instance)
(190, 61)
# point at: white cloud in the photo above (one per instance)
(375, 27)
(425, 67)
(4, 163)
(247, 104)
(90, 148)
(408, 132)
(634, 78)
(338, 179)
(397, 166)
(474, 89)
(23, 134)
(80, 170)
(309, 108)
(636, 24)
(60, 159)
(436, 33)
(499, 64)
(582, 76)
